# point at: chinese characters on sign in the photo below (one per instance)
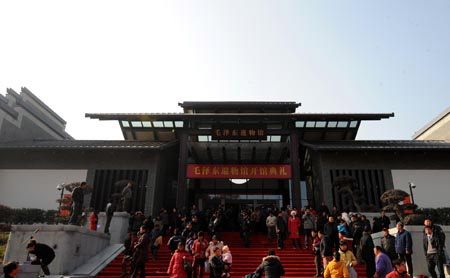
(244, 171)
(233, 132)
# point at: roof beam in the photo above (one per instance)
(224, 155)
(194, 154)
(283, 154)
(247, 116)
(269, 151)
(253, 155)
(210, 157)
(239, 154)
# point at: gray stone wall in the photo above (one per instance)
(92, 159)
(325, 161)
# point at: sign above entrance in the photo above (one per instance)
(239, 171)
(239, 132)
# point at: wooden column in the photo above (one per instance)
(295, 164)
(182, 191)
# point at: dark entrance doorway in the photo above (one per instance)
(210, 193)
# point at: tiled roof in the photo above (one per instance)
(84, 144)
(378, 145)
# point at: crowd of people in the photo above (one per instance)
(338, 240)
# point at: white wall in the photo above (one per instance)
(433, 186)
(25, 188)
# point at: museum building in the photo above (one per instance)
(211, 153)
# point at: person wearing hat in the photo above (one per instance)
(348, 258)
(293, 229)
(404, 246)
(44, 255)
(388, 244)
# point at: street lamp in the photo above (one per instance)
(411, 186)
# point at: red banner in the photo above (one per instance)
(238, 171)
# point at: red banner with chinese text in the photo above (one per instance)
(238, 171)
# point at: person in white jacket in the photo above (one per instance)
(228, 260)
(209, 253)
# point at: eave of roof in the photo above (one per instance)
(431, 123)
(86, 144)
(293, 116)
(207, 104)
(406, 145)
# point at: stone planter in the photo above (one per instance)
(73, 245)
(418, 257)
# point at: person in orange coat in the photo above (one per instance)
(93, 221)
(176, 266)
(294, 228)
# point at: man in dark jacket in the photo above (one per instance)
(77, 200)
(326, 248)
(136, 221)
(271, 266)
(434, 252)
(128, 253)
(357, 231)
(281, 229)
(44, 255)
(140, 255)
(404, 246)
(217, 264)
(366, 253)
(173, 241)
(245, 229)
(437, 231)
(331, 231)
(388, 244)
(385, 221)
(155, 237)
(110, 208)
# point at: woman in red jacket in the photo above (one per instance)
(294, 228)
(176, 266)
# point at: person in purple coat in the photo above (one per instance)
(383, 263)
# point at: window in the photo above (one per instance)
(321, 124)
(178, 124)
(168, 124)
(353, 124)
(158, 124)
(300, 124)
(136, 124)
(125, 124)
(275, 138)
(332, 124)
(146, 124)
(342, 124)
(310, 124)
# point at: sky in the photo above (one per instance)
(146, 56)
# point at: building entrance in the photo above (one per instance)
(208, 193)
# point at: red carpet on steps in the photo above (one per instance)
(296, 262)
